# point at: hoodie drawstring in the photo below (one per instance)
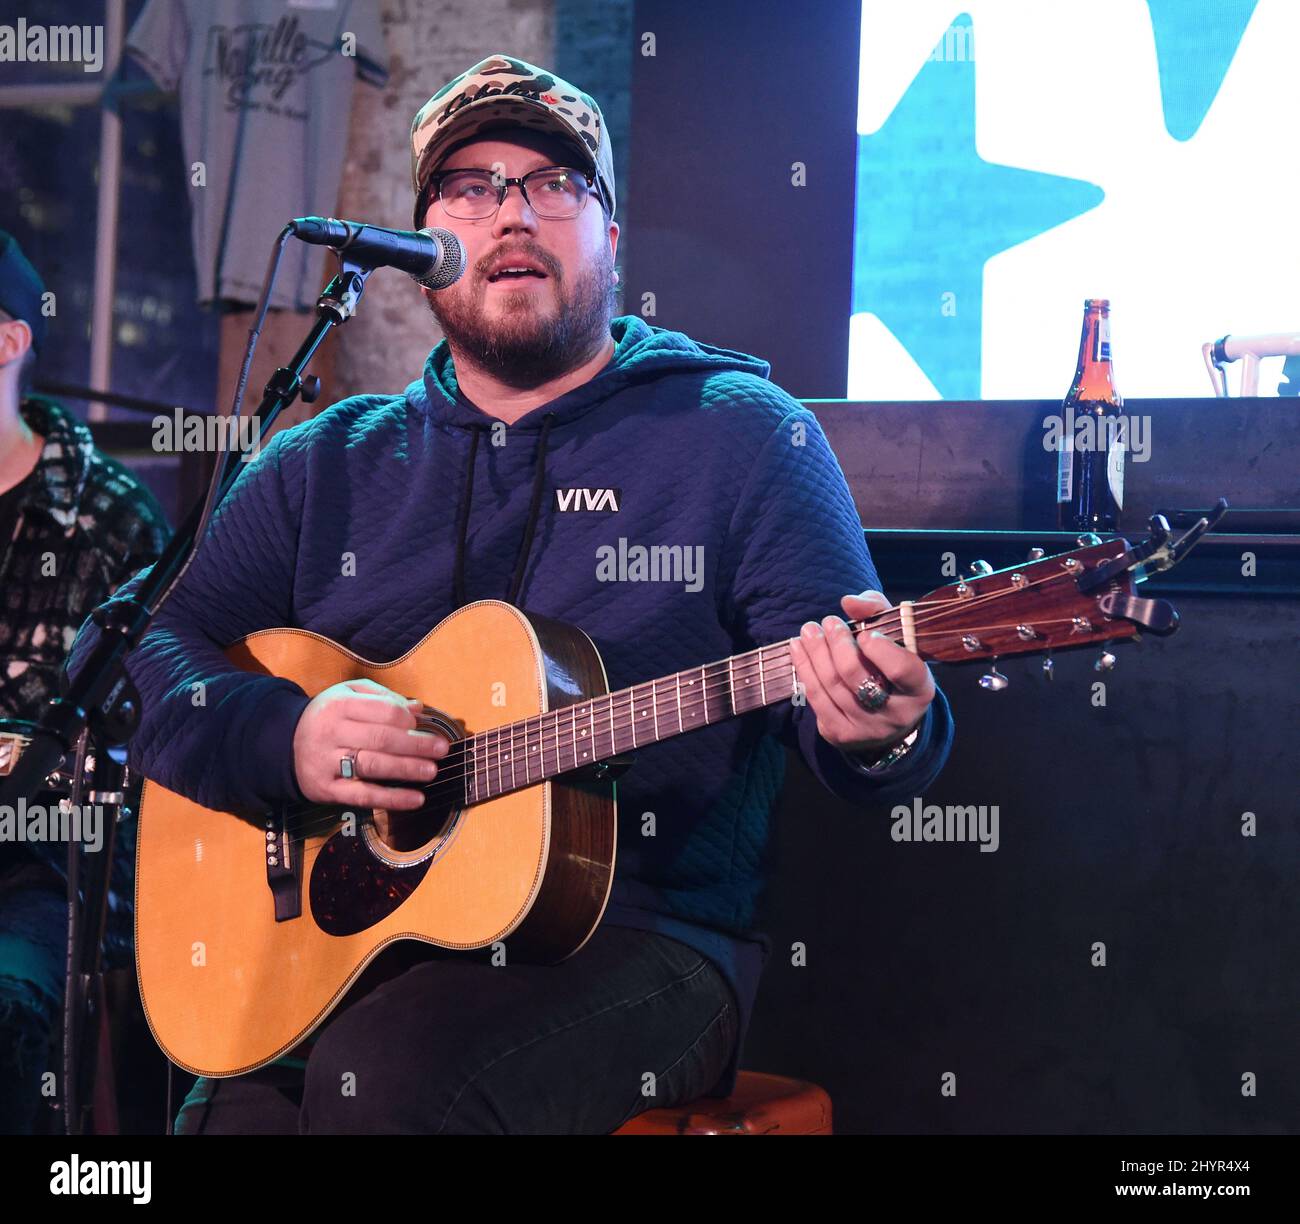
(539, 479)
(530, 526)
(462, 521)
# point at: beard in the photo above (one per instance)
(534, 335)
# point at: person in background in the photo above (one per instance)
(74, 526)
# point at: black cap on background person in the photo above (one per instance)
(21, 289)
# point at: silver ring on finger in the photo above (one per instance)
(871, 694)
(348, 766)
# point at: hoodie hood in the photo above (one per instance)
(641, 353)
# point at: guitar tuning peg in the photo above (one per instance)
(1105, 662)
(1048, 666)
(1036, 554)
(1088, 539)
(980, 568)
(993, 680)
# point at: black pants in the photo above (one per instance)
(455, 1045)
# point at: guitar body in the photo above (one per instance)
(251, 927)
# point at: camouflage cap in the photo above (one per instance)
(502, 91)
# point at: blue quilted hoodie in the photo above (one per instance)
(441, 504)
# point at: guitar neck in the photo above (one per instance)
(547, 745)
(1024, 609)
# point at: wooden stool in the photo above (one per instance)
(760, 1105)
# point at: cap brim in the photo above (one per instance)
(480, 118)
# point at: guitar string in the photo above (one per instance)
(889, 619)
(453, 767)
(325, 819)
(744, 664)
(493, 758)
(550, 735)
(549, 731)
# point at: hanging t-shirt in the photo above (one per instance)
(265, 91)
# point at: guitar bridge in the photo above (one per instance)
(283, 869)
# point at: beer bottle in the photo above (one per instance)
(1090, 462)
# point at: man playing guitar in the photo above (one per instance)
(659, 493)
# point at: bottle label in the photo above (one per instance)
(1115, 472)
(1065, 468)
(1101, 347)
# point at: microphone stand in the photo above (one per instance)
(102, 698)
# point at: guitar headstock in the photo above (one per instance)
(1074, 599)
(1071, 600)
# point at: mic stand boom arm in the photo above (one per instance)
(102, 696)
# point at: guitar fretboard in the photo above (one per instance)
(523, 753)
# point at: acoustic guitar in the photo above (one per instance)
(250, 927)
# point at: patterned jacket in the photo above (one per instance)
(83, 529)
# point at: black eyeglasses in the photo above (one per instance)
(554, 192)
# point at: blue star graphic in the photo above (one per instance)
(1195, 43)
(930, 211)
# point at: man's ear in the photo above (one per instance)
(15, 340)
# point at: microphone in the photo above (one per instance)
(433, 258)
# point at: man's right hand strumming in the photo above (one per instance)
(373, 728)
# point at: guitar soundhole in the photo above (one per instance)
(404, 833)
(359, 878)
(368, 868)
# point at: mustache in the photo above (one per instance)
(547, 263)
